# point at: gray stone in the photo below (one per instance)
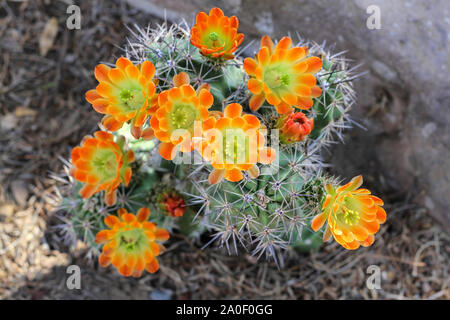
(406, 146)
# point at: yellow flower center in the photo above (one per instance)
(213, 36)
(125, 95)
(275, 78)
(105, 164)
(131, 240)
(214, 40)
(235, 146)
(347, 216)
(183, 116)
(132, 98)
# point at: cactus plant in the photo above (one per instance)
(264, 205)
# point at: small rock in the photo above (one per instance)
(20, 192)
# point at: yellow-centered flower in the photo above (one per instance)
(283, 75)
(353, 215)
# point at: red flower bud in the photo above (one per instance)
(172, 203)
(294, 127)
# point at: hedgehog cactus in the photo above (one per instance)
(265, 205)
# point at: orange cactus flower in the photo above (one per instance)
(172, 203)
(235, 144)
(101, 164)
(283, 76)
(178, 110)
(216, 35)
(294, 127)
(353, 215)
(125, 93)
(130, 243)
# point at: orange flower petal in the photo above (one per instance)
(92, 95)
(181, 79)
(256, 102)
(132, 71)
(123, 63)
(253, 172)
(206, 98)
(327, 234)
(318, 221)
(372, 227)
(143, 214)
(216, 12)
(167, 150)
(295, 54)
(302, 91)
(283, 108)
(111, 198)
(125, 270)
(314, 64)
(233, 175)
(284, 44)
(300, 67)
(304, 103)
(102, 135)
(289, 98)
(101, 73)
(233, 110)
(148, 134)
(267, 42)
(223, 123)
(254, 86)
(272, 99)
(381, 215)
(252, 121)
(216, 176)
(110, 221)
(188, 91)
(175, 94)
(250, 66)
(316, 92)
(263, 56)
(201, 17)
(102, 236)
(88, 191)
(375, 199)
(152, 266)
(162, 234)
(104, 89)
(306, 79)
(104, 260)
(116, 76)
(368, 242)
(360, 232)
(148, 69)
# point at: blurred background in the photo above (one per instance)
(401, 146)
